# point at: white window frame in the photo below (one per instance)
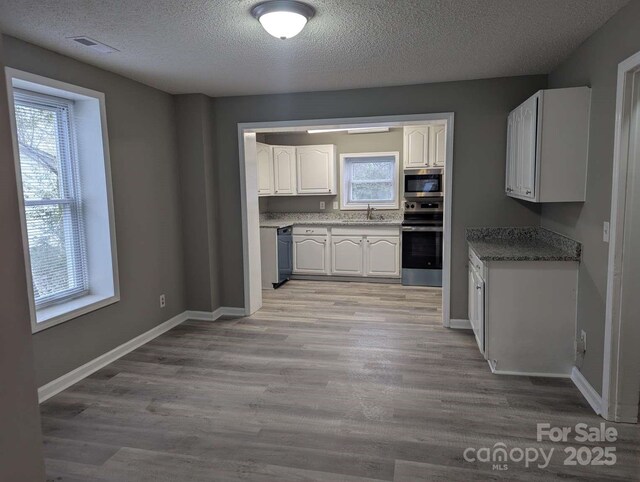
(70, 196)
(345, 182)
(93, 152)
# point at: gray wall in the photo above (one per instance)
(142, 141)
(595, 63)
(20, 439)
(196, 143)
(481, 108)
(345, 143)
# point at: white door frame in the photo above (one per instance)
(249, 194)
(621, 367)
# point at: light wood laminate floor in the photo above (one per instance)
(329, 381)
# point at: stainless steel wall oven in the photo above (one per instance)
(422, 242)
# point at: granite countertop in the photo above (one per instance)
(522, 244)
(280, 220)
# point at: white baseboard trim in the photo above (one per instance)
(588, 392)
(214, 315)
(54, 387)
(460, 324)
(230, 311)
(199, 315)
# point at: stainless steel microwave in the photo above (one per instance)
(424, 183)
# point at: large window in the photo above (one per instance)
(369, 179)
(62, 163)
(52, 197)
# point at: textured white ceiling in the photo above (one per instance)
(216, 47)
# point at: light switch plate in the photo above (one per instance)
(605, 232)
(335, 204)
(322, 204)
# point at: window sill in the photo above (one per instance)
(59, 313)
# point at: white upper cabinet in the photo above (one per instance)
(416, 147)
(547, 146)
(290, 170)
(512, 151)
(439, 143)
(264, 155)
(425, 146)
(527, 156)
(316, 166)
(284, 170)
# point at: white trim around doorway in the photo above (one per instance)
(249, 196)
(621, 367)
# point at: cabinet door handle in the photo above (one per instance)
(478, 287)
(529, 191)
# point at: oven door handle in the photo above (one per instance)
(422, 229)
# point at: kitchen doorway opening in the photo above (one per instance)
(248, 136)
(621, 374)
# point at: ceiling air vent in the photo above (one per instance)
(94, 44)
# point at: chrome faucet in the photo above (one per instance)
(370, 211)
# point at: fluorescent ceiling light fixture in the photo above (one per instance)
(283, 18)
(350, 130)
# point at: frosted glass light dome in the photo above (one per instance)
(283, 19)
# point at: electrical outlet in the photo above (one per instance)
(322, 204)
(163, 301)
(335, 204)
(605, 232)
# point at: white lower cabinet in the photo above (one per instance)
(382, 255)
(523, 314)
(347, 251)
(347, 255)
(310, 254)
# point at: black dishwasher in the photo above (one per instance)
(285, 255)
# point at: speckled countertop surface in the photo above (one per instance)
(280, 220)
(522, 244)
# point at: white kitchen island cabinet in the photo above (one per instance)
(522, 302)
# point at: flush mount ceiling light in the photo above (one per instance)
(283, 18)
